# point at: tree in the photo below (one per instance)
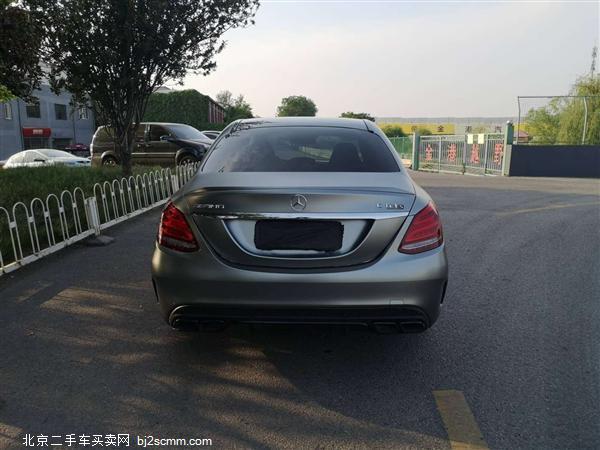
(392, 130)
(573, 116)
(116, 53)
(353, 115)
(296, 105)
(543, 123)
(235, 108)
(225, 99)
(563, 120)
(20, 71)
(5, 94)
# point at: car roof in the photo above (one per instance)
(25, 151)
(305, 122)
(34, 150)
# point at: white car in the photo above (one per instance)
(41, 157)
(211, 134)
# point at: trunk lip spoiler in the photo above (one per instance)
(302, 216)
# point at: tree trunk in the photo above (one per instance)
(126, 151)
(126, 159)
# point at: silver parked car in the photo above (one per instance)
(301, 220)
(42, 157)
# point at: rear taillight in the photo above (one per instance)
(424, 232)
(174, 231)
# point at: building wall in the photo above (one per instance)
(186, 106)
(73, 130)
(216, 113)
(572, 161)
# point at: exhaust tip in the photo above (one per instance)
(412, 326)
(184, 325)
(417, 326)
(187, 324)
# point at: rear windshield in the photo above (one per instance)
(300, 149)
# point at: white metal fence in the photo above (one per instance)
(30, 232)
(474, 153)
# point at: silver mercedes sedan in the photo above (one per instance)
(301, 220)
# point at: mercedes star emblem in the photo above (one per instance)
(299, 202)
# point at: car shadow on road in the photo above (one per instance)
(97, 358)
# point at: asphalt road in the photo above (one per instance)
(84, 351)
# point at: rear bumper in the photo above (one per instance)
(397, 288)
(404, 318)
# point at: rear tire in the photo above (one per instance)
(187, 159)
(109, 161)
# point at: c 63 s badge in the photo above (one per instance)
(395, 206)
(210, 206)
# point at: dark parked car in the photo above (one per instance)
(301, 220)
(78, 150)
(211, 134)
(156, 144)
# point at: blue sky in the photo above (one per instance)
(406, 58)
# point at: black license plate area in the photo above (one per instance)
(320, 235)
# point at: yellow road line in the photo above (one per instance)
(463, 432)
(549, 207)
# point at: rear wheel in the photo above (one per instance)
(109, 161)
(187, 159)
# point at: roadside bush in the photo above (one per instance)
(392, 130)
(26, 183)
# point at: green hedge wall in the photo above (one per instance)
(187, 106)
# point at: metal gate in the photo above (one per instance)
(470, 153)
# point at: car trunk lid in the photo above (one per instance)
(299, 220)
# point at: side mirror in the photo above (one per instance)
(165, 137)
(39, 160)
